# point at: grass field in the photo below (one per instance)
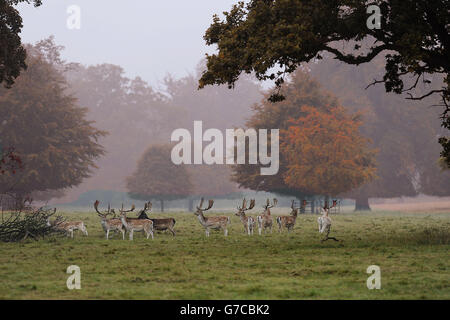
(412, 250)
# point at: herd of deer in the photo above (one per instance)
(147, 225)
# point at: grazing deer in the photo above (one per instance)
(211, 222)
(160, 224)
(265, 219)
(249, 222)
(68, 226)
(112, 224)
(325, 222)
(288, 222)
(135, 224)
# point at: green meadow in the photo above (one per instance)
(411, 249)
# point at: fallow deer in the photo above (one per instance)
(135, 224)
(160, 224)
(112, 224)
(68, 226)
(248, 222)
(265, 219)
(208, 223)
(325, 222)
(288, 222)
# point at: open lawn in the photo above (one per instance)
(412, 250)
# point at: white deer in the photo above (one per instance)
(325, 222)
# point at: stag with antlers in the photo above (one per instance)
(248, 222)
(288, 222)
(265, 219)
(160, 224)
(112, 224)
(208, 223)
(325, 222)
(134, 224)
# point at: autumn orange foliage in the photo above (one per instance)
(325, 152)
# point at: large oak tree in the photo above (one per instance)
(303, 91)
(325, 152)
(47, 129)
(263, 34)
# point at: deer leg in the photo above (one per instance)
(173, 231)
(207, 232)
(107, 234)
(226, 232)
(131, 235)
(123, 234)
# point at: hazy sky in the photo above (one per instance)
(148, 38)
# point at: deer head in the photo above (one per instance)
(142, 213)
(326, 208)
(268, 205)
(103, 215)
(123, 212)
(294, 211)
(241, 210)
(199, 207)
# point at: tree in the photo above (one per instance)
(257, 36)
(403, 132)
(325, 152)
(134, 115)
(217, 107)
(301, 91)
(211, 181)
(9, 161)
(12, 54)
(156, 177)
(56, 144)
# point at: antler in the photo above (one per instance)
(210, 204)
(149, 205)
(199, 207)
(96, 203)
(132, 208)
(252, 204)
(244, 205)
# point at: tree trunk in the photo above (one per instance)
(162, 205)
(362, 203)
(191, 205)
(313, 206)
(327, 200)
